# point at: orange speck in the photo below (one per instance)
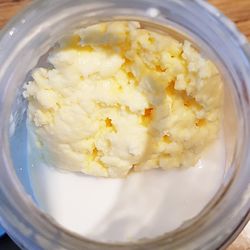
(108, 122)
(188, 100)
(159, 68)
(200, 122)
(148, 115)
(130, 75)
(127, 61)
(125, 46)
(148, 112)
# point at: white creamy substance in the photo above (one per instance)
(143, 205)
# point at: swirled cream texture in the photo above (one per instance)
(120, 98)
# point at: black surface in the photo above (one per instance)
(7, 244)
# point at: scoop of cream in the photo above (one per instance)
(122, 98)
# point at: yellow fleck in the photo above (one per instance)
(93, 155)
(170, 89)
(151, 39)
(95, 152)
(166, 138)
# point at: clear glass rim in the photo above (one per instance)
(231, 31)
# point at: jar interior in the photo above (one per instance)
(18, 134)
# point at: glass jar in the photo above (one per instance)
(34, 31)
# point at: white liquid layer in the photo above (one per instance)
(144, 205)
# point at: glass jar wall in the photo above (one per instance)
(31, 35)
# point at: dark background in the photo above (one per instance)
(7, 244)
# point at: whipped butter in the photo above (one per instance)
(120, 98)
